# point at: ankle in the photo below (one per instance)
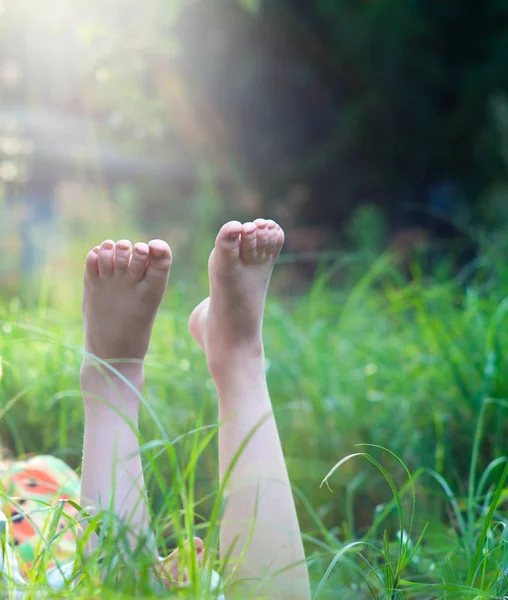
(119, 385)
(240, 363)
(132, 371)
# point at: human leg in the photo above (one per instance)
(260, 524)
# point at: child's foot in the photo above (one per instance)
(123, 289)
(228, 324)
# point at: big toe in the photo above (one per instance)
(159, 262)
(228, 239)
(226, 254)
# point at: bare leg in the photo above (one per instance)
(122, 292)
(228, 326)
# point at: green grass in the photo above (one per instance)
(390, 398)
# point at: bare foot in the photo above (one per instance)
(123, 288)
(228, 324)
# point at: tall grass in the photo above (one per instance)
(406, 380)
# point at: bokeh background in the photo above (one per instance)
(376, 134)
(179, 115)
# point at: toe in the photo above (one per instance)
(159, 250)
(123, 251)
(279, 241)
(262, 237)
(106, 257)
(248, 242)
(138, 262)
(261, 223)
(92, 262)
(228, 238)
(273, 236)
(280, 238)
(159, 262)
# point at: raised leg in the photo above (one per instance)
(260, 524)
(123, 288)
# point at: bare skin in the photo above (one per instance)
(122, 291)
(240, 269)
(121, 298)
(123, 288)
(228, 327)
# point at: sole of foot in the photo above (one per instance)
(123, 288)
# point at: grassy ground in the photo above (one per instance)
(416, 370)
